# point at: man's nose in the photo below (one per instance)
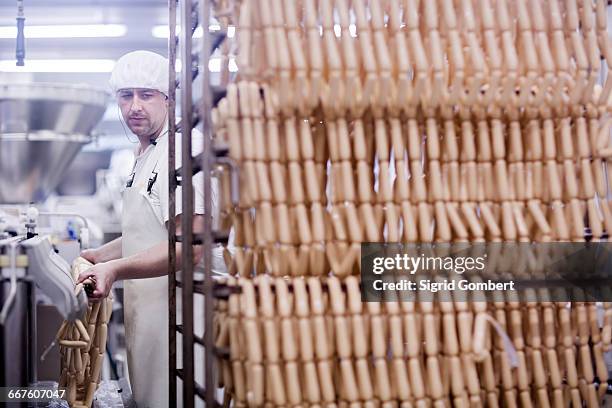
(136, 104)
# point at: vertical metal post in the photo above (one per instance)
(32, 330)
(172, 395)
(20, 47)
(204, 113)
(187, 205)
(188, 238)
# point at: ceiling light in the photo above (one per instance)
(59, 65)
(66, 31)
(162, 31)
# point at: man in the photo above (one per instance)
(140, 255)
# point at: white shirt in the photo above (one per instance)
(159, 192)
(159, 197)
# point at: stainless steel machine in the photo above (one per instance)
(42, 128)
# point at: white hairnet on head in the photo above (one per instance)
(140, 69)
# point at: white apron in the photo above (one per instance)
(145, 300)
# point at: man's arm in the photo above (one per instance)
(107, 252)
(150, 263)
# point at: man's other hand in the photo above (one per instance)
(90, 255)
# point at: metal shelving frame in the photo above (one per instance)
(172, 391)
(191, 114)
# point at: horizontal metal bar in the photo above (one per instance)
(221, 150)
(197, 163)
(218, 93)
(200, 391)
(195, 240)
(197, 339)
(220, 237)
(196, 167)
(223, 291)
(198, 287)
(222, 352)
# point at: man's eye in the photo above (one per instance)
(125, 96)
(147, 96)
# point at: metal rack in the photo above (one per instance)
(193, 114)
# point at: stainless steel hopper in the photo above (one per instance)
(42, 128)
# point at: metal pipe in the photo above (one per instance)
(187, 201)
(8, 241)
(8, 304)
(204, 113)
(32, 340)
(172, 204)
(20, 47)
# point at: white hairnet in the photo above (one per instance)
(140, 69)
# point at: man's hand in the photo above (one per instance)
(104, 275)
(91, 255)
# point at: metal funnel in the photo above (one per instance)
(42, 128)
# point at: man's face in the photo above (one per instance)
(144, 110)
